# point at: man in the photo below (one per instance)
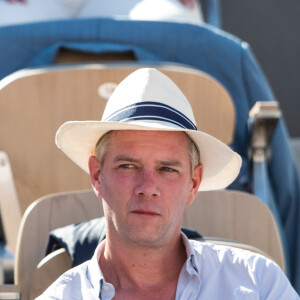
(147, 161)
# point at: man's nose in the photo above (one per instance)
(147, 184)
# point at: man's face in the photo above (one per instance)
(146, 183)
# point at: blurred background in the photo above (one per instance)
(272, 28)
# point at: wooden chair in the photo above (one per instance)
(223, 217)
(236, 216)
(40, 218)
(34, 103)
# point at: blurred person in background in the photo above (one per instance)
(27, 11)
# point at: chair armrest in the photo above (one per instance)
(9, 292)
(9, 203)
(48, 270)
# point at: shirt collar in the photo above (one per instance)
(192, 264)
(94, 272)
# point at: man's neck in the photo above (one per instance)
(142, 271)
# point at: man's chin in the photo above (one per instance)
(147, 240)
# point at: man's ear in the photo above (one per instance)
(94, 167)
(196, 181)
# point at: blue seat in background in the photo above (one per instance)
(212, 12)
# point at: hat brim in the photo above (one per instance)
(221, 165)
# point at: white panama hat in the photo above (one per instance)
(149, 100)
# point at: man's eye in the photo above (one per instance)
(167, 169)
(126, 166)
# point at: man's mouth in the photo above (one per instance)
(144, 212)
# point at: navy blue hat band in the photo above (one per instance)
(151, 111)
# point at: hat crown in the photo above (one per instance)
(148, 85)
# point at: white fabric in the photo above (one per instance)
(210, 272)
(46, 10)
(32, 11)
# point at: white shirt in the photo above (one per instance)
(210, 272)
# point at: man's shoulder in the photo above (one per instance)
(211, 248)
(74, 273)
(243, 266)
(66, 284)
(223, 254)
